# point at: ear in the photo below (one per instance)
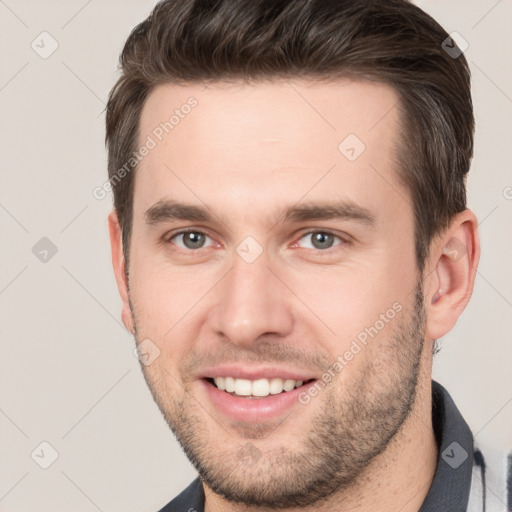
(452, 264)
(116, 244)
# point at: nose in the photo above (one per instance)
(251, 304)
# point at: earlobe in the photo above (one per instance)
(454, 257)
(118, 264)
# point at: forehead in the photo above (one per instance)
(271, 141)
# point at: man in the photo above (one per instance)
(291, 237)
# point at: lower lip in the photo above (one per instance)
(253, 410)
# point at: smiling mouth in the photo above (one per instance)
(259, 388)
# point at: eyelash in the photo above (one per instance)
(343, 241)
(169, 239)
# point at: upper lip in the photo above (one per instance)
(255, 372)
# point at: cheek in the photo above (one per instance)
(165, 300)
(357, 301)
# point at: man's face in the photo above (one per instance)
(269, 289)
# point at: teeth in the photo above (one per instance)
(243, 387)
(229, 383)
(276, 386)
(289, 385)
(259, 387)
(220, 383)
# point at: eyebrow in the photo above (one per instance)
(168, 210)
(340, 210)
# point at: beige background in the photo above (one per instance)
(67, 372)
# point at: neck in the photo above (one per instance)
(397, 479)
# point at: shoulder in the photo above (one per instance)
(190, 500)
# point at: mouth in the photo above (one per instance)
(247, 397)
(258, 388)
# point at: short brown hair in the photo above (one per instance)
(389, 41)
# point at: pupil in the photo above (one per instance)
(322, 240)
(193, 240)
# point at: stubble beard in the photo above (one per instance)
(356, 424)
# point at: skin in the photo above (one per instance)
(295, 305)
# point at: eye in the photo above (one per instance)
(321, 240)
(190, 239)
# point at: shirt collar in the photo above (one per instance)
(452, 480)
